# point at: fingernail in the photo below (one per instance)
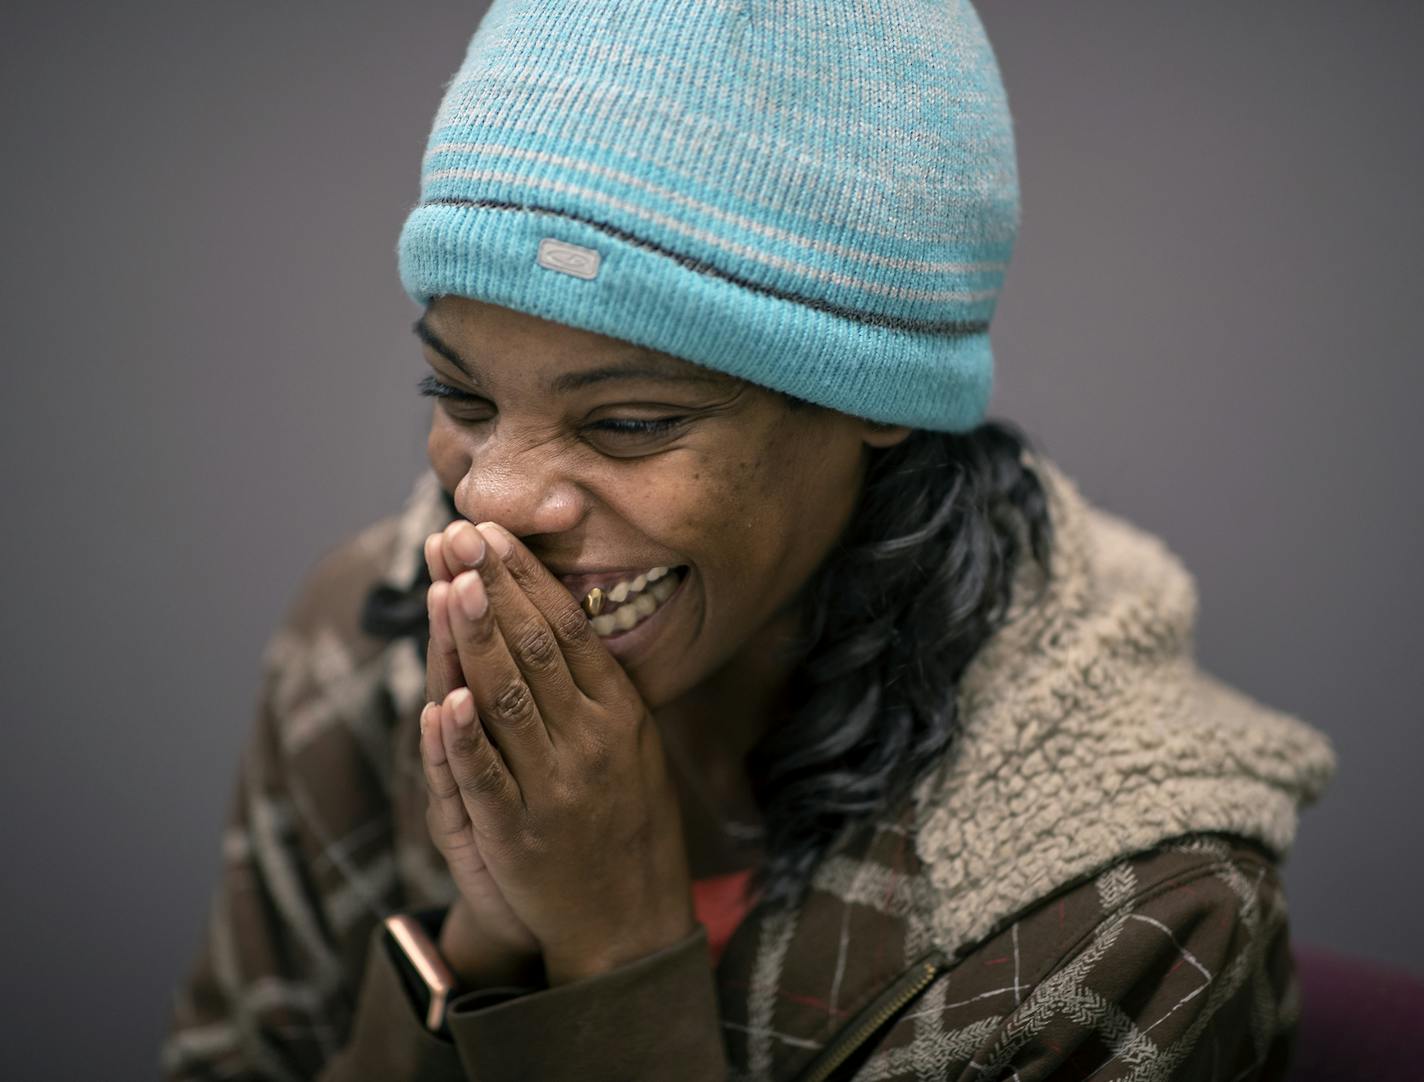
(463, 707)
(472, 594)
(425, 717)
(469, 545)
(497, 539)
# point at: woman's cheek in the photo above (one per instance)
(443, 452)
(739, 541)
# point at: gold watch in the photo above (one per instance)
(428, 978)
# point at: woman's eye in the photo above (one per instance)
(630, 437)
(438, 388)
(630, 427)
(621, 431)
(449, 396)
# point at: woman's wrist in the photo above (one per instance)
(479, 961)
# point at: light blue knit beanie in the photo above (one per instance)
(817, 196)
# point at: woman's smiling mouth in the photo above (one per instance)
(617, 602)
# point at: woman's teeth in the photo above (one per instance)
(623, 589)
(658, 585)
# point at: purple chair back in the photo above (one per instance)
(1359, 1019)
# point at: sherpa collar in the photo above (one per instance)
(1088, 732)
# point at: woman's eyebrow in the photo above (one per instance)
(633, 368)
(645, 367)
(431, 339)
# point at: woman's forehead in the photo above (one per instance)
(487, 343)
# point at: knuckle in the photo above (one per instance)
(441, 786)
(435, 828)
(512, 704)
(486, 779)
(468, 744)
(475, 632)
(434, 823)
(597, 754)
(519, 569)
(535, 647)
(448, 839)
(531, 841)
(571, 625)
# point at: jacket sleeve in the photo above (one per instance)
(653, 1019)
(1186, 977)
(284, 985)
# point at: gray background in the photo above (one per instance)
(1211, 322)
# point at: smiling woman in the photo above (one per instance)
(609, 467)
(731, 699)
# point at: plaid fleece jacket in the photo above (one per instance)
(1088, 886)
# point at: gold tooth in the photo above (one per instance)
(593, 603)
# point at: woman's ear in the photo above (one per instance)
(880, 434)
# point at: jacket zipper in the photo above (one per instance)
(904, 988)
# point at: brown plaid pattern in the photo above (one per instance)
(1169, 964)
(1172, 962)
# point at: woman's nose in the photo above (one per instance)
(526, 494)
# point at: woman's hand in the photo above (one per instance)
(560, 768)
(482, 939)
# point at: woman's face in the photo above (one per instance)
(610, 461)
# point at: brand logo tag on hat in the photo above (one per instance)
(570, 258)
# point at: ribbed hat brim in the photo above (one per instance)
(924, 378)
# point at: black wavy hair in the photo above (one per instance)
(921, 578)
